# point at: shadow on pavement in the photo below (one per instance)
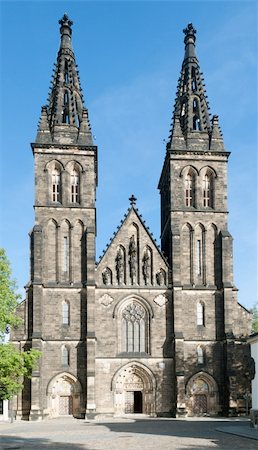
(183, 428)
(17, 443)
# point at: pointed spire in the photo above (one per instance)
(191, 106)
(65, 114)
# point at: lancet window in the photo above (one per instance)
(56, 185)
(200, 314)
(200, 355)
(134, 329)
(66, 313)
(189, 189)
(74, 186)
(207, 190)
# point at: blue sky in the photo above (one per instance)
(129, 56)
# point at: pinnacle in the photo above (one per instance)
(66, 117)
(191, 112)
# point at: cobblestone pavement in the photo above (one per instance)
(124, 434)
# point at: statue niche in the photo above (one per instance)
(120, 265)
(132, 259)
(146, 266)
(107, 276)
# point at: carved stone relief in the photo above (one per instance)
(106, 300)
(160, 300)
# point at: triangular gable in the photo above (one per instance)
(132, 257)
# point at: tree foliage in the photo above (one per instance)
(8, 296)
(254, 312)
(14, 364)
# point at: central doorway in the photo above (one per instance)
(137, 406)
(134, 390)
(133, 402)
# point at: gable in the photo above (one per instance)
(132, 258)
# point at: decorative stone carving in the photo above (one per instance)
(106, 300)
(132, 259)
(160, 300)
(120, 266)
(133, 382)
(133, 312)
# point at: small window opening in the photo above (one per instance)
(200, 314)
(200, 356)
(66, 313)
(55, 186)
(196, 123)
(65, 98)
(189, 190)
(66, 118)
(207, 191)
(75, 187)
(183, 110)
(195, 105)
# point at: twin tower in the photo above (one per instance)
(143, 331)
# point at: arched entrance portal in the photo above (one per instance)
(64, 396)
(202, 395)
(134, 390)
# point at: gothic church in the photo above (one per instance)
(144, 330)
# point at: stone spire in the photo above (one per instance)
(191, 106)
(65, 119)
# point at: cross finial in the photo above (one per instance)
(65, 23)
(189, 29)
(132, 200)
(190, 33)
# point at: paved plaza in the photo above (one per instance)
(129, 434)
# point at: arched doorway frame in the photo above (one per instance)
(211, 393)
(134, 376)
(64, 384)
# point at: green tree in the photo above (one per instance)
(14, 364)
(254, 312)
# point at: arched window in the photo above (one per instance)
(66, 313)
(74, 186)
(196, 123)
(134, 329)
(189, 189)
(65, 356)
(200, 314)
(56, 185)
(207, 190)
(200, 356)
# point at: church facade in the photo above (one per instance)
(144, 330)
